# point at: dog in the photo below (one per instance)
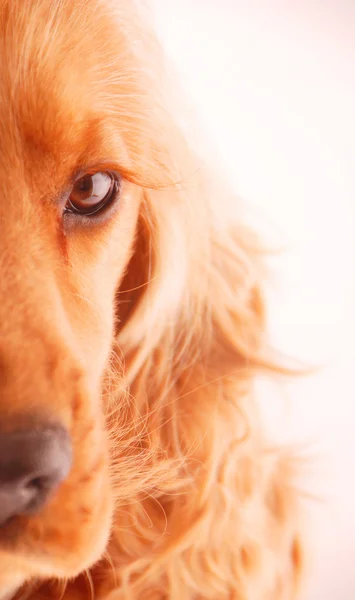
(132, 461)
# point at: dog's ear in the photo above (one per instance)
(222, 510)
(203, 511)
(194, 281)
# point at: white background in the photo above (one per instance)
(274, 85)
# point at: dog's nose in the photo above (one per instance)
(32, 465)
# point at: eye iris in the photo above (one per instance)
(91, 192)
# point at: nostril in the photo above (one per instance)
(37, 490)
(37, 484)
(33, 495)
(32, 465)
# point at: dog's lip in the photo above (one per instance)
(11, 533)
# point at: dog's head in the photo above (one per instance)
(74, 150)
(97, 238)
(105, 259)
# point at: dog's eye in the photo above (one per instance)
(92, 192)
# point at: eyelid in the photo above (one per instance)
(91, 169)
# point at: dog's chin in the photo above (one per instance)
(10, 592)
(13, 574)
(9, 589)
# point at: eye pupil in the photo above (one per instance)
(85, 184)
(92, 192)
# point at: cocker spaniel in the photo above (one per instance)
(132, 462)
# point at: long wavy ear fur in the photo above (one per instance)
(204, 509)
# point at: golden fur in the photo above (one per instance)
(141, 334)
